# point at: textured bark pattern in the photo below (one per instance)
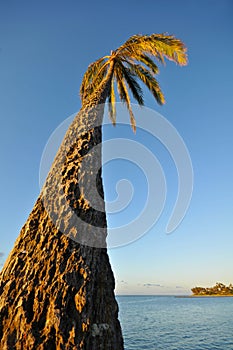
(56, 293)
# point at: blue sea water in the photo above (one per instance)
(170, 323)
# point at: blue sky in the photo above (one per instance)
(45, 48)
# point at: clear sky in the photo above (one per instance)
(45, 48)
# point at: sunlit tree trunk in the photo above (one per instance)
(57, 286)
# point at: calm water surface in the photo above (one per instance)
(161, 322)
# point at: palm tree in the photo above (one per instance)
(57, 290)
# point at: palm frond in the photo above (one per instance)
(157, 45)
(93, 77)
(149, 81)
(120, 88)
(147, 61)
(124, 96)
(133, 85)
(135, 59)
(171, 47)
(112, 104)
(92, 68)
(97, 80)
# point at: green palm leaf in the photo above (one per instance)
(133, 60)
(157, 45)
(124, 96)
(147, 61)
(146, 77)
(133, 85)
(93, 77)
(112, 104)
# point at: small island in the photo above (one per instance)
(218, 290)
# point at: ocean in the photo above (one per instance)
(171, 323)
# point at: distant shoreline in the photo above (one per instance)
(175, 295)
(205, 296)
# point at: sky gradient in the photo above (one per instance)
(45, 48)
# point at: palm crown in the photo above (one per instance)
(133, 60)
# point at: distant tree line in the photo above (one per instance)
(218, 289)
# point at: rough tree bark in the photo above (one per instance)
(57, 286)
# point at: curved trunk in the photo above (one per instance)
(57, 286)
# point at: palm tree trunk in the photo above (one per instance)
(57, 286)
